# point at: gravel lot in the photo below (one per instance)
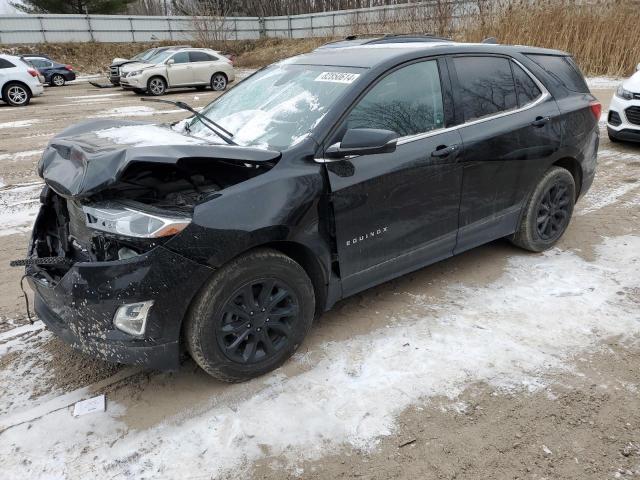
(494, 364)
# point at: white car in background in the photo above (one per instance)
(19, 81)
(623, 121)
(178, 68)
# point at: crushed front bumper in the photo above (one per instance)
(80, 306)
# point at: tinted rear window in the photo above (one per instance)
(562, 69)
(486, 86)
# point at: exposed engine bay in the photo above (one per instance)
(66, 227)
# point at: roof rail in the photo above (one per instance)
(490, 40)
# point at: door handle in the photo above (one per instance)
(444, 151)
(540, 121)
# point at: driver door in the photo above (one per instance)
(397, 212)
(180, 72)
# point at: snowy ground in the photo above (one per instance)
(396, 362)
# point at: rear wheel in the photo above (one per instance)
(156, 86)
(218, 82)
(251, 317)
(548, 211)
(16, 95)
(58, 80)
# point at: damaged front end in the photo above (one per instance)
(106, 201)
(102, 277)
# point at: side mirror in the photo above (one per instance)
(170, 62)
(363, 141)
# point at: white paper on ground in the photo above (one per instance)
(95, 404)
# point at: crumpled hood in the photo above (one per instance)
(132, 66)
(633, 83)
(92, 156)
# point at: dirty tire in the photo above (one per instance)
(548, 211)
(251, 316)
(218, 82)
(156, 86)
(58, 80)
(16, 94)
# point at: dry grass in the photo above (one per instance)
(604, 36)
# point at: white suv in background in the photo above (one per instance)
(19, 81)
(623, 121)
(178, 68)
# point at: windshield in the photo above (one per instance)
(143, 55)
(159, 57)
(276, 107)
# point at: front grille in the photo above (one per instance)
(614, 118)
(633, 115)
(115, 71)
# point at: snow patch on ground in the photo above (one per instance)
(27, 373)
(596, 199)
(147, 136)
(19, 123)
(509, 333)
(19, 155)
(95, 96)
(19, 205)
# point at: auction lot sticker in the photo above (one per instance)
(337, 77)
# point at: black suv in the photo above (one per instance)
(226, 234)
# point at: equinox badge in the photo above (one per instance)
(371, 234)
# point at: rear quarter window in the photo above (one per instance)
(563, 69)
(6, 63)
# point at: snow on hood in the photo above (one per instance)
(147, 136)
(633, 83)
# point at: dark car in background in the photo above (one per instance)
(54, 73)
(313, 179)
(114, 68)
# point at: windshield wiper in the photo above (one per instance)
(210, 124)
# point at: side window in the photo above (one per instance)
(486, 85)
(6, 63)
(200, 57)
(526, 89)
(181, 57)
(562, 69)
(407, 101)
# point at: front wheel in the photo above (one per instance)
(16, 95)
(58, 80)
(218, 82)
(548, 211)
(156, 86)
(251, 316)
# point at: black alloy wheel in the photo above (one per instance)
(257, 321)
(554, 211)
(251, 316)
(548, 211)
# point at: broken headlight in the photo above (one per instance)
(112, 217)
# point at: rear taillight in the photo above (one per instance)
(596, 109)
(33, 73)
(68, 67)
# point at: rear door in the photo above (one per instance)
(510, 130)
(203, 66)
(396, 212)
(181, 71)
